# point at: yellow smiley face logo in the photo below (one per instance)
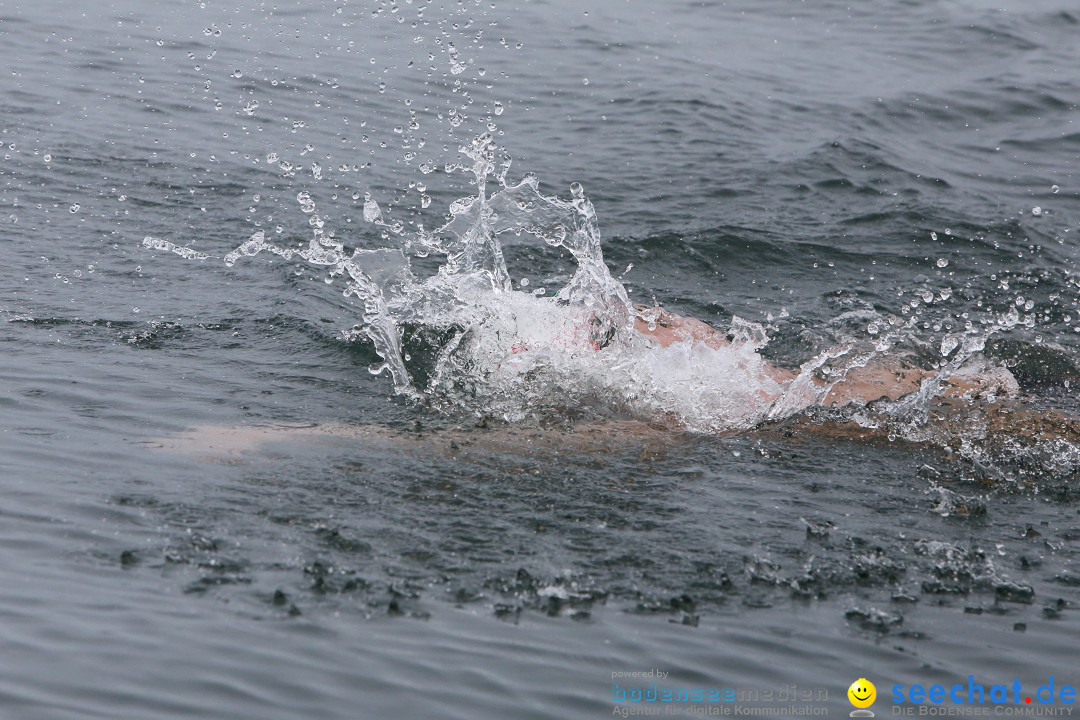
(862, 693)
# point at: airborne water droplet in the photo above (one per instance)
(372, 213)
(942, 262)
(498, 108)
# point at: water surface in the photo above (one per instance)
(804, 166)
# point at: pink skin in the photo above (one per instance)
(667, 328)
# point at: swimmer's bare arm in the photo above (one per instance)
(862, 385)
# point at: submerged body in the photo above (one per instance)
(978, 407)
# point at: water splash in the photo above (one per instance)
(470, 299)
(184, 252)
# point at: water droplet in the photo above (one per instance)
(498, 108)
(1036, 210)
(1055, 189)
(237, 74)
(873, 328)
(13, 218)
(372, 213)
(933, 235)
(47, 158)
(948, 344)
(524, 282)
(135, 309)
(584, 81)
(942, 262)
(75, 208)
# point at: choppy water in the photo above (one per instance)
(211, 506)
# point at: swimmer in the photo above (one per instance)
(980, 404)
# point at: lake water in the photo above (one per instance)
(212, 508)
